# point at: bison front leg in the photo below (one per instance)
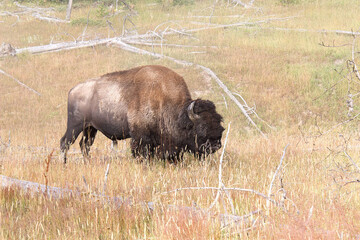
(145, 149)
(134, 145)
(87, 140)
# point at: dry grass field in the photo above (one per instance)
(276, 62)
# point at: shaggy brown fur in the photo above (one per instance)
(149, 104)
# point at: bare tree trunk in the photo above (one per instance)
(68, 11)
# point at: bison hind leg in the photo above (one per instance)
(87, 140)
(69, 138)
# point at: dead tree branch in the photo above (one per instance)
(58, 193)
(221, 185)
(231, 96)
(352, 161)
(143, 43)
(130, 48)
(355, 69)
(19, 82)
(226, 189)
(245, 5)
(38, 13)
(339, 32)
(337, 125)
(150, 34)
(276, 172)
(68, 10)
(105, 178)
(62, 46)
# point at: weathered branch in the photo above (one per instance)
(34, 9)
(35, 188)
(357, 74)
(19, 82)
(227, 189)
(143, 43)
(149, 35)
(352, 161)
(339, 124)
(49, 19)
(58, 193)
(105, 178)
(340, 32)
(130, 48)
(221, 185)
(276, 172)
(245, 5)
(68, 10)
(240, 24)
(62, 46)
(38, 13)
(231, 96)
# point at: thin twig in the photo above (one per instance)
(19, 82)
(105, 178)
(340, 32)
(277, 170)
(353, 162)
(87, 24)
(252, 110)
(353, 59)
(166, 45)
(221, 185)
(273, 179)
(339, 124)
(226, 189)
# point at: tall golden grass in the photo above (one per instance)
(279, 72)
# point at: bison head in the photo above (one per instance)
(206, 130)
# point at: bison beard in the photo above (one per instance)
(149, 104)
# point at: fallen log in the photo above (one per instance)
(34, 189)
(56, 47)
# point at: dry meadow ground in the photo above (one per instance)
(300, 88)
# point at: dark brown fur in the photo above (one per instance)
(149, 104)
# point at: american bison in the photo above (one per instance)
(149, 104)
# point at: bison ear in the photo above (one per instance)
(192, 115)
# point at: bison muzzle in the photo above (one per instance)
(149, 104)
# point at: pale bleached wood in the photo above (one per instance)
(130, 48)
(232, 97)
(68, 10)
(220, 184)
(245, 5)
(49, 19)
(275, 174)
(19, 82)
(40, 13)
(34, 189)
(62, 46)
(151, 34)
(304, 30)
(149, 44)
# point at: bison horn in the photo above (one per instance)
(193, 116)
